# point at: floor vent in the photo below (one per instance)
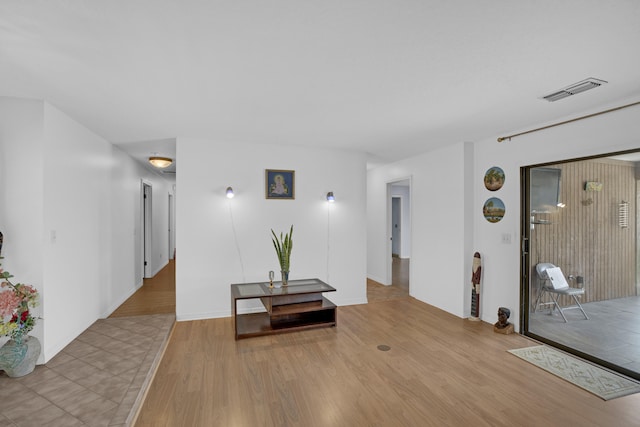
(573, 89)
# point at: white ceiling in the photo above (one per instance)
(388, 77)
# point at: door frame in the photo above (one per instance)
(388, 225)
(398, 234)
(526, 271)
(146, 202)
(170, 221)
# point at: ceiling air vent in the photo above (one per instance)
(573, 89)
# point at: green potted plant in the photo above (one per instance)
(283, 246)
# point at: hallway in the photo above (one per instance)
(156, 296)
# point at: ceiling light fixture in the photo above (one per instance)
(160, 162)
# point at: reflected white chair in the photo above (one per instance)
(554, 284)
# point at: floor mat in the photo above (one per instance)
(601, 382)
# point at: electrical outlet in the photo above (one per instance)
(506, 238)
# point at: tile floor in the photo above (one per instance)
(612, 332)
(97, 380)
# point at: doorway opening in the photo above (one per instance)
(172, 246)
(147, 230)
(396, 226)
(399, 231)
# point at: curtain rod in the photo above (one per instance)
(502, 138)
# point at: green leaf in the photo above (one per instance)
(283, 246)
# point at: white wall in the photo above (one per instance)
(126, 235)
(70, 214)
(501, 262)
(22, 192)
(77, 259)
(222, 241)
(439, 247)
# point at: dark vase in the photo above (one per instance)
(18, 356)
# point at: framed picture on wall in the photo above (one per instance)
(280, 184)
(493, 210)
(494, 178)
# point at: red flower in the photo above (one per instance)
(23, 317)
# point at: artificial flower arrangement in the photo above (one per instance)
(16, 320)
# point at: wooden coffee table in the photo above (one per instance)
(297, 306)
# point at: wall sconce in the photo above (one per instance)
(160, 162)
(330, 197)
(623, 214)
(230, 193)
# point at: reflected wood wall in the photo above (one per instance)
(584, 238)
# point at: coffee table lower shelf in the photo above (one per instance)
(286, 318)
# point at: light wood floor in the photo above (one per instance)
(400, 272)
(440, 371)
(156, 296)
(399, 287)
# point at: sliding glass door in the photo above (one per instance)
(579, 225)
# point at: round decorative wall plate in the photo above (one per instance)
(493, 210)
(494, 178)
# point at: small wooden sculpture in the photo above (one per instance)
(502, 326)
(475, 282)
